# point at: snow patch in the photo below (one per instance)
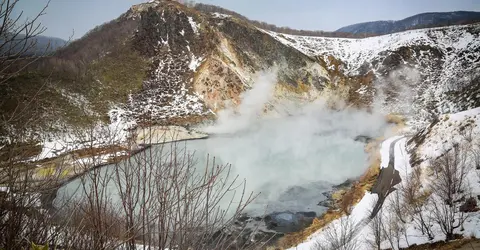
(115, 133)
(195, 63)
(193, 24)
(220, 15)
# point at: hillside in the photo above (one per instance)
(163, 66)
(424, 20)
(46, 44)
(213, 9)
(437, 67)
(163, 63)
(159, 63)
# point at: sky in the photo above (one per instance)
(73, 18)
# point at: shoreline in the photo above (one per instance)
(48, 196)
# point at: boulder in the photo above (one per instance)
(469, 206)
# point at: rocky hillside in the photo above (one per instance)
(164, 63)
(434, 71)
(159, 63)
(188, 61)
(424, 20)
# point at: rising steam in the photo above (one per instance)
(289, 159)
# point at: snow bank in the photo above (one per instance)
(448, 131)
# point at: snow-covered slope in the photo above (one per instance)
(356, 52)
(446, 60)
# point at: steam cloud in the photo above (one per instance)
(291, 158)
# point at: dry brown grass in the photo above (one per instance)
(344, 199)
(463, 243)
(179, 121)
(21, 151)
(299, 89)
(396, 119)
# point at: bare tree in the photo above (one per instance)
(416, 200)
(392, 229)
(23, 219)
(475, 154)
(375, 227)
(340, 235)
(159, 197)
(449, 188)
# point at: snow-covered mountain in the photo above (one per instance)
(434, 19)
(162, 63)
(439, 66)
(182, 65)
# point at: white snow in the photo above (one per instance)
(439, 139)
(445, 59)
(193, 24)
(114, 133)
(446, 132)
(355, 52)
(220, 15)
(385, 151)
(168, 94)
(195, 63)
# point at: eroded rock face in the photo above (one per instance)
(200, 62)
(216, 83)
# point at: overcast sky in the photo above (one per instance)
(67, 17)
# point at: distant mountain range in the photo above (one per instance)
(48, 43)
(42, 45)
(424, 20)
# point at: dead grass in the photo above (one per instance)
(462, 243)
(396, 119)
(178, 121)
(299, 89)
(63, 165)
(20, 151)
(343, 199)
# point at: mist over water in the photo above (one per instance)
(291, 157)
